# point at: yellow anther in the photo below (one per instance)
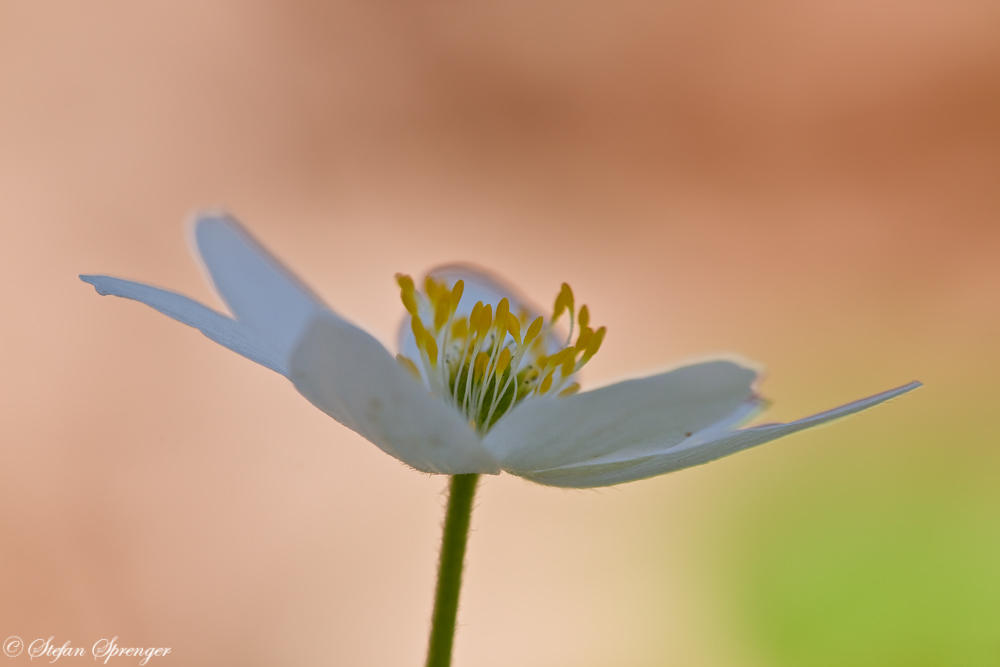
(408, 301)
(459, 329)
(561, 356)
(406, 292)
(595, 343)
(584, 317)
(431, 287)
(533, 330)
(546, 384)
(502, 361)
(586, 333)
(442, 308)
(570, 390)
(563, 301)
(485, 320)
(559, 306)
(419, 332)
(514, 327)
(432, 349)
(408, 365)
(542, 361)
(405, 282)
(480, 366)
(503, 310)
(456, 294)
(474, 316)
(569, 366)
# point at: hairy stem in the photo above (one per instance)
(456, 535)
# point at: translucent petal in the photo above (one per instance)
(629, 419)
(262, 294)
(349, 375)
(701, 448)
(480, 285)
(218, 327)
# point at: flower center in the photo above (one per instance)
(487, 362)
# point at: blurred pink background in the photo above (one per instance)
(811, 185)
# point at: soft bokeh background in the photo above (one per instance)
(815, 186)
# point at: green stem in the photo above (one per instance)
(453, 541)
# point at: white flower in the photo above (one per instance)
(485, 383)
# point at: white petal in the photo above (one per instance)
(480, 285)
(218, 327)
(349, 375)
(263, 295)
(632, 418)
(701, 448)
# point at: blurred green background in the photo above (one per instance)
(890, 558)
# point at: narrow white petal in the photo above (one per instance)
(710, 444)
(629, 419)
(349, 375)
(218, 327)
(262, 294)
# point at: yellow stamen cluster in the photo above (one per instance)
(482, 363)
